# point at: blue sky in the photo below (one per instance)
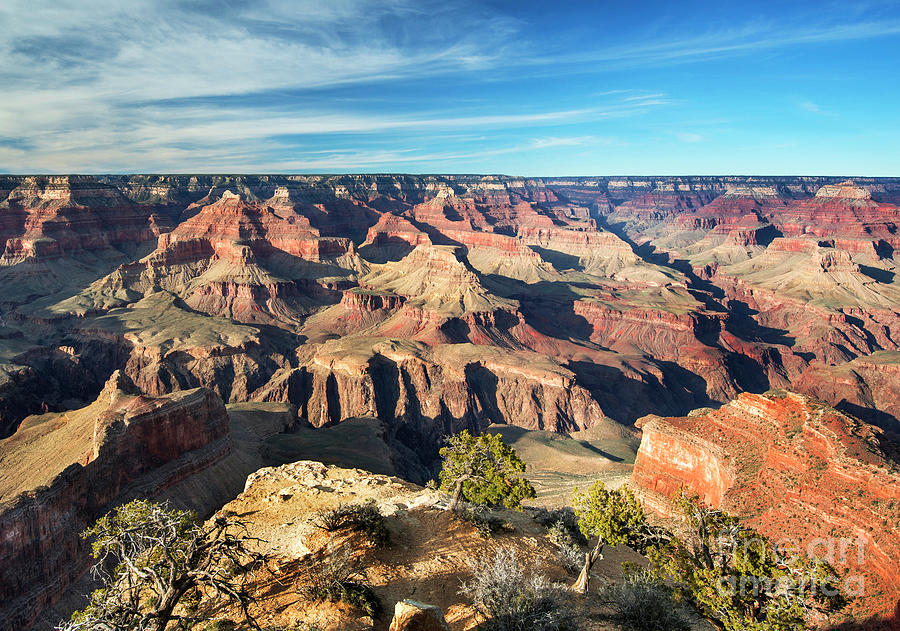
(529, 88)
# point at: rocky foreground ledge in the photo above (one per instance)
(427, 559)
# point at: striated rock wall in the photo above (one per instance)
(797, 470)
(51, 216)
(659, 333)
(422, 394)
(669, 460)
(125, 444)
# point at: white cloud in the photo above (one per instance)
(809, 106)
(93, 76)
(166, 139)
(687, 136)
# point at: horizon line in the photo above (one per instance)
(437, 174)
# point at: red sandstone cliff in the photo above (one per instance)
(793, 468)
(423, 393)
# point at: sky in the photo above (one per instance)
(544, 88)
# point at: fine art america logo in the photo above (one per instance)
(824, 552)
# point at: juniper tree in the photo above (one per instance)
(483, 470)
(150, 559)
(613, 517)
(741, 580)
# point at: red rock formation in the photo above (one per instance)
(391, 228)
(363, 301)
(68, 469)
(793, 468)
(426, 392)
(661, 334)
(844, 210)
(264, 229)
(47, 216)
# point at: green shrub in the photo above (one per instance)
(484, 471)
(359, 517)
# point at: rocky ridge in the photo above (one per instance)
(797, 470)
(60, 472)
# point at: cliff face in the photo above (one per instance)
(423, 393)
(795, 469)
(54, 216)
(61, 472)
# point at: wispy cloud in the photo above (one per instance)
(104, 85)
(166, 139)
(568, 141)
(107, 78)
(723, 42)
(809, 106)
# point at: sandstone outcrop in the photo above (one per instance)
(796, 469)
(59, 472)
(55, 216)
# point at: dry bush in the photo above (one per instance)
(513, 599)
(564, 516)
(643, 603)
(338, 577)
(568, 551)
(562, 528)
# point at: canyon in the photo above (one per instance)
(659, 309)
(674, 292)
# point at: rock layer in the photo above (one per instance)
(61, 472)
(796, 469)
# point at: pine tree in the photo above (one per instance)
(152, 559)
